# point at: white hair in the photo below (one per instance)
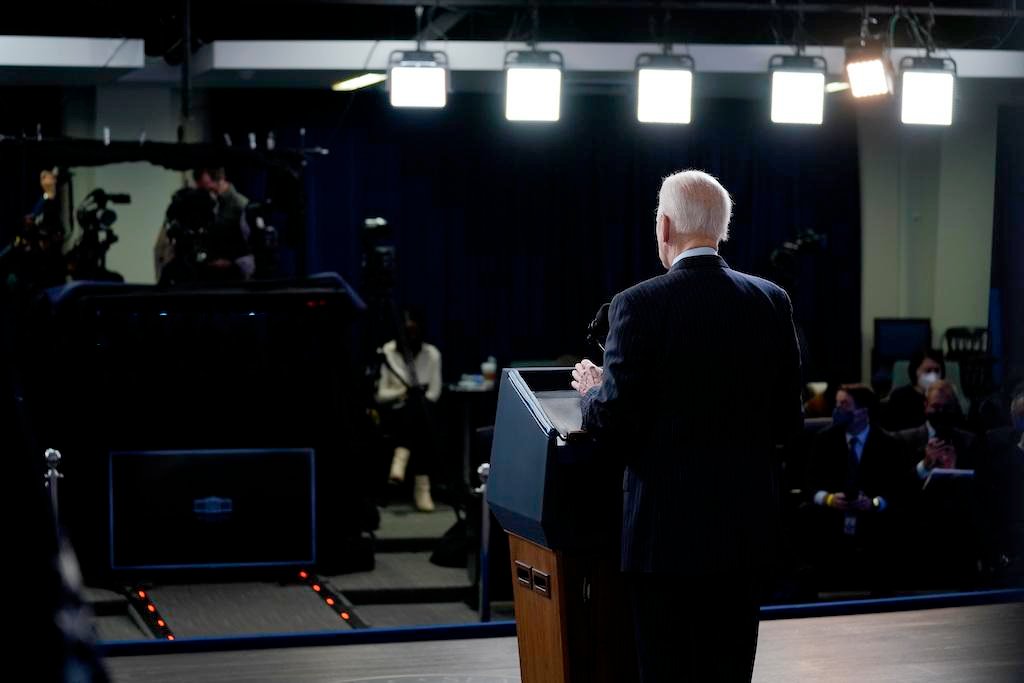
(697, 205)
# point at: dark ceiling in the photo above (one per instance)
(159, 21)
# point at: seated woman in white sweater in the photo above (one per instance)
(408, 388)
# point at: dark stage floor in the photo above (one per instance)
(404, 589)
(963, 644)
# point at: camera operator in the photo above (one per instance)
(226, 254)
(34, 259)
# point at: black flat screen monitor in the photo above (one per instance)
(207, 509)
(899, 338)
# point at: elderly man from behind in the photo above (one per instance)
(699, 495)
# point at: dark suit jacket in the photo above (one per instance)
(884, 470)
(946, 520)
(904, 409)
(1002, 484)
(701, 381)
(916, 440)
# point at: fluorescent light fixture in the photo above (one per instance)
(798, 89)
(533, 85)
(357, 82)
(418, 79)
(867, 68)
(664, 88)
(926, 95)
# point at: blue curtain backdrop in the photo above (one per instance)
(511, 235)
(1006, 318)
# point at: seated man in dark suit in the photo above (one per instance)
(858, 476)
(943, 526)
(940, 442)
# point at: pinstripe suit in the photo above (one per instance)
(701, 381)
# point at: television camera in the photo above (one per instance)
(87, 260)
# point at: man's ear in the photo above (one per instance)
(664, 228)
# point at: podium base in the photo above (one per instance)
(572, 616)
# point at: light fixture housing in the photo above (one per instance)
(798, 89)
(533, 85)
(927, 85)
(664, 88)
(418, 78)
(361, 81)
(868, 70)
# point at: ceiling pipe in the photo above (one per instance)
(774, 7)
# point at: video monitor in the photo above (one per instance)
(212, 508)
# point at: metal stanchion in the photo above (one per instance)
(483, 471)
(52, 456)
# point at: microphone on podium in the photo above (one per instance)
(597, 331)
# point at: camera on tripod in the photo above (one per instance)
(189, 217)
(93, 215)
(379, 264)
(87, 260)
(262, 236)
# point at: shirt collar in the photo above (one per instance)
(696, 251)
(861, 436)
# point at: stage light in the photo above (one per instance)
(151, 608)
(170, 637)
(330, 601)
(867, 67)
(142, 594)
(664, 88)
(316, 587)
(926, 90)
(418, 79)
(345, 616)
(836, 86)
(357, 82)
(303, 575)
(161, 623)
(798, 89)
(533, 85)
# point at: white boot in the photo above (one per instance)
(398, 463)
(421, 494)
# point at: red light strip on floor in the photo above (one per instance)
(338, 603)
(142, 602)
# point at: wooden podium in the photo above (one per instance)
(562, 511)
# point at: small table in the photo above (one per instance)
(471, 399)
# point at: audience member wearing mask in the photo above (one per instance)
(905, 406)
(409, 386)
(859, 476)
(940, 442)
(1003, 490)
(945, 518)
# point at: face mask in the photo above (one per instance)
(842, 418)
(927, 379)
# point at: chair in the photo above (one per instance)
(961, 342)
(970, 347)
